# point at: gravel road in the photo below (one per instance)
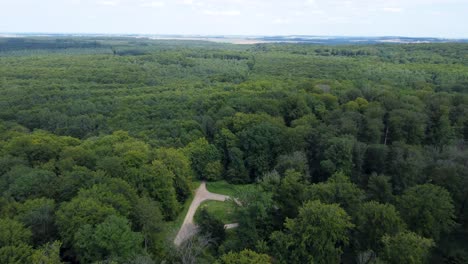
(188, 227)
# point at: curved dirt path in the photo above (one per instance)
(188, 227)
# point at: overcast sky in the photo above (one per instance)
(434, 18)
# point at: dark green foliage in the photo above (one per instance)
(261, 144)
(39, 216)
(290, 193)
(428, 210)
(376, 159)
(211, 226)
(101, 139)
(379, 188)
(373, 222)
(405, 165)
(255, 213)
(295, 161)
(338, 155)
(150, 221)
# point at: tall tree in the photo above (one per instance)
(406, 247)
(38, 214)
(428, 210)
(13, 233)
(337, 189)
(373, 221)
(315, 236)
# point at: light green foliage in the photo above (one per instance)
(428, 210)
(338, 189)
(14, 242)
(205, 159)
(115, 237)
(315, 236)
(112, 239)
(224, 187)
(158, 183)
(47, 254)
(79, 212)
(177, 162)
(13, 233)
(39, 146)
(107, 195)
(223, 211)
(246, 256)
(18, 254)
(406, 247)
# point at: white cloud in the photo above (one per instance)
(281, 21)
(393, 9)
(222, 13)
(109, 3)
(153, 4)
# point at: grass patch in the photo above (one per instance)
(224, 211)
(223, 187)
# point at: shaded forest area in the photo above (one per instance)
(353, 154)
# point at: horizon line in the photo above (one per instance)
(225, 35)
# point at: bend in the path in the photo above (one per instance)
(188, 227)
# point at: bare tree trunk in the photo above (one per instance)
(386, 135)
(192, 248)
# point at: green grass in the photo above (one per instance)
(172, 227)
(223, 187)
(223, 211)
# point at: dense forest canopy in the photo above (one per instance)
(344, 153)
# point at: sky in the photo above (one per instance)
(412, 18)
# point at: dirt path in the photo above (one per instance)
(188, 227)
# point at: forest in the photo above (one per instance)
(330, 153)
